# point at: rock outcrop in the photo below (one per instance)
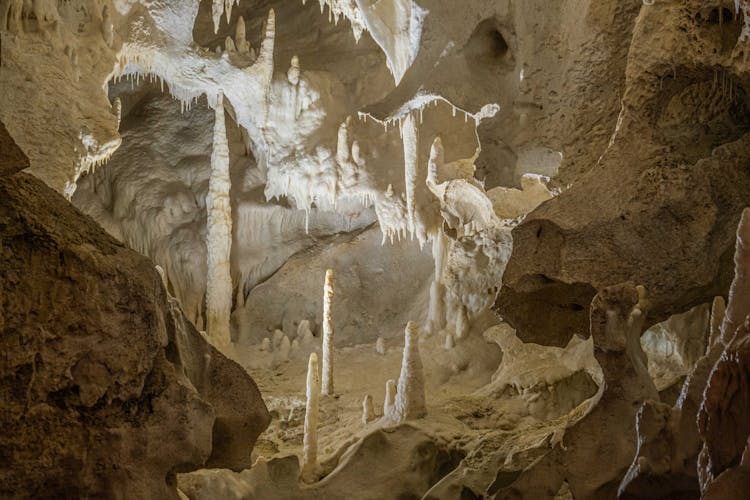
(617, 315)
(107, 390)
(662, 203)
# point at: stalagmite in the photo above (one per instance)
(390, 396)
(410, 400)
(310, 439)
(219, 236)
(327, 385)
(449, 342)
(265, 344)
(380, 346)
(278, 335)
(240, 37)
(368, 412)
(409, 137)
(304, 333)
(284, 349)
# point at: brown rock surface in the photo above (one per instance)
(12, 158)
(661, 205)
(608, 430)
(106, 390)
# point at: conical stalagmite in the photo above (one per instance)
(410, 399)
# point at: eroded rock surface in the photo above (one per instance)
(107, 390)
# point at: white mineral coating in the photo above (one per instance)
(327, 385)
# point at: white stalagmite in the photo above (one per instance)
(284, 347)
(219, 236)
(390, 396)
(368, 412)
(409, 137)
(449, 342)
(327, 386)
(310, 439)
(380, 346)
(410, 400)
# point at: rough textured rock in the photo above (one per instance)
(107, 391)
(616, 325)
(710, 412)
(12, 158)
(723, 420)
(666, 184)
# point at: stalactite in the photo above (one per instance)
(436, 311)
(310, 439)
(409, 137)
(219, 236)
(327, 386)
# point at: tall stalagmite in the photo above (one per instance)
(219, 236)
(310, 439)
(327, 386)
